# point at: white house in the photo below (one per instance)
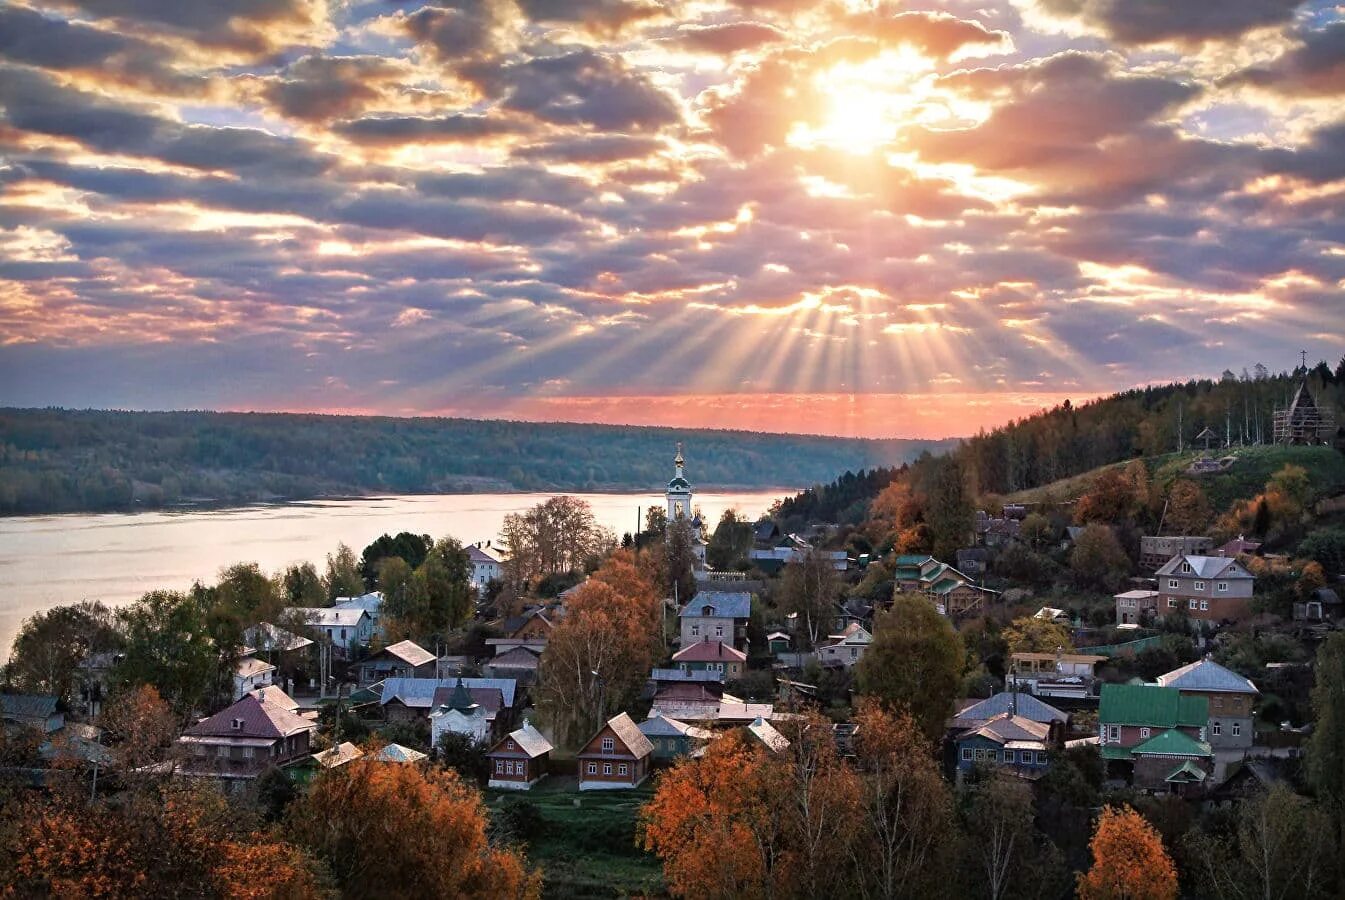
(251, 673)
(371, 603)
(459, 714)
(847, 648)
(486, 566)
(342, 628)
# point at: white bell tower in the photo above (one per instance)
(679, 490)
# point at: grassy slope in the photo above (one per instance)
(1245, 478)
(589, 851)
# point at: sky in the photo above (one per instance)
(825, 216)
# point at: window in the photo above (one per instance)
(1172, 603)
(1144, 733)
(607, 768)
(966, 754)
(593, 768)
(1113, 733)
(854, 653)
(719, 631)
(695, 630)
(608, 745)
(1041, 757)
(621, 769)
(1217, 728)
(509, 745)
(1186, 567)
(1204, 604)
(1008, 756)
(1191, 604)
(1222, 587)
(1173, 584)
(1237, 729)
(499, 766)
(343, 634)
(1200, 585)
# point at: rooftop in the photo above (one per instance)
(410, 653)
(251, 718)
(1029, 707)
(709, 651)
(530, 741)
(1207, 675)
(723, 604)
(1204, 567)
(1151, 705)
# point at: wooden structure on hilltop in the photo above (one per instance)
(1303, 421)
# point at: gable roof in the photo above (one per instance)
(396, 753)
(489, 699)
(1207, 675)
(1005, 727)
(1205, 567)
(531, 741)
(272, 694)
(409, 652)
(27, 706)
(339, 755)
(1172, 743)
(709, 651)
(480, 557)
(419, 692)
(256, 720)
(769, 736)
(251, 667)
(629, 734)
(723, 604)
(371, 602)
(520, 657)
(265, 636)
(1187, 771)
(1029, 707)
(1151, 705)
(329, 617)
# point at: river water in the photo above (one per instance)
(47, 561)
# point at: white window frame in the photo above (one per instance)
(1217, 728)
(719, 631)
(1191, 604)
(1144, 733)
(621, 769)
(1009, 756)
(1041, 757)
(499, 767)
(593, 768)
(608, 745)
(1204, 604)
(1172, 603)
(695, 630)
(966, 754)
(1199, 585)
(1237, 729)
(1113, 733)
(1221, 587)
(1173, 584)
(607, 768)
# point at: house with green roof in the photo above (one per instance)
(954, 593)
(1156, 736)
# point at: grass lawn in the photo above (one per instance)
(588, 851)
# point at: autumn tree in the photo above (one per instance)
(342, 578)
(1098, 561)
(1033, 635)
(810, 588)
(139, 728)
(404, 831)
(1188, 510)
(906, 832)
(556, 536)
(732, 540)
(1129, 860)
(51, 644)
(914, 663)
(1111, 499)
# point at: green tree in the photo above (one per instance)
(343, 578)
(168, 646)
(914, 663)
(51, 644)
(404, 597)
(729, 545)
(948, 510)
(1326, 747)
(1098, 560)
(1325, 546)
(446, 580)
(1032, 635)
(1007, 856)
(410, 548)
(300, 585)
(1292, 482)
(809, 587)
(681, 561)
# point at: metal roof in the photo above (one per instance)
(724, 604)
(420, 691)
(1172, 743)
(1207, 675)
(398, 754)
(709, 651)
(1029, 707)
(1205, 567)
(254, 719)
(27, 706)
(1152, 705)
(530, 741)
(410, 653)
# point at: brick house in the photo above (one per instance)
(239, 742)
(709, 655)
(1230, 698)
(1155, 550)
(1207, 588)
(1156, 735)
(1136, 607)
(617, 757)
(519, 759)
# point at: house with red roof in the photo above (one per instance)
(239, 742)
(711, 656)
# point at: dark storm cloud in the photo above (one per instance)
(454, 128)
(1316, 67)
(1154, 21)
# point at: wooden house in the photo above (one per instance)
(672, 738)
(617, 757)
(519, 759)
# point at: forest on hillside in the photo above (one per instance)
(57, 460)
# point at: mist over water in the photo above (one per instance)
(48, 561)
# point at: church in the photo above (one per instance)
(679, 507)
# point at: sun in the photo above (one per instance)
(867, 102)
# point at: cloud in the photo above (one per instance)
(1313, 68)
(938, 34)
(317, 87)
(600, 148)
(250, 27)
(727, 38)
(1152, 21)
(607, 17)
(454, 128)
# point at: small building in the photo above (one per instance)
(1018, 704)
(1053, 615)
(846, 649)
(672, 738)
(459, 713)
(1156, 736)
(519, 759)
(404, 659)
(251, 673)
(239, 742)
(718, 615)
(1155, 550)
(486, 567)
(1015, 743)
(1063, 675)
(1205, 588)
(409, 699)
(533, 626)
(519, 663)
(1303, 421)
(1136, 607)
(709, 655)
(618, 756)
(973, 560)
(1239, 546)
(779, 642)
(31, 711)
(1230, 699)
(1325, 606)
(335, 757)
(371, 603)
(344, 629)
(267, 639)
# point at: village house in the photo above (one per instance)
(519, 759)
(343, 629)
(1007, 741)
(1230, 698)
(618, 756)
(371, 603)
(251, 673)
(975, 713)
(973, 560)
(411, 699)
(239, 742)
(793, 549)
(709, 655)
(486, 566)
(1157, 736)
(953, 593)
(1205, 588)
(337, 756)
(31, 711)
(846, 649)
(533, 626)
(717, 615)
(519, 663)
(1155, 550)
(265, 638)
(1238, 546)
(396, 753)
(273, 695)
(1324, 605)
(404, 659)
(1136, 607)
(673, 738)
(696, 700)
(1063, 675)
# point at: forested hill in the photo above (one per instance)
(55, 460)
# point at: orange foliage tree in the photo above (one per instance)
(1129, 861)
(181, 841)
(400, 831)
(1111, 499)
(745, 822)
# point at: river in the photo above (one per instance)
(47, 561)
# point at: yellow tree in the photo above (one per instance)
(1129, 861)
(400, 831)
(1032, 635)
